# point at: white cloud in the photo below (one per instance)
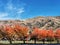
(20, 11)
(10, 7)
(3, 14)
(12, 11)
(7, 18)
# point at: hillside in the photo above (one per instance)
(40, 22)
(44, 22)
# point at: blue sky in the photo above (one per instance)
(24, 9)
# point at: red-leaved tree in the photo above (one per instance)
(22, 31)
(57, 35)
(50, 35)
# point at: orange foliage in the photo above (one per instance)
(10, 33)
(8, 29)
(57, 33)
(43, 34)
(39, 34)
(50, 35)
(35, 32)
(22, 31)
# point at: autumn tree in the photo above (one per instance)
(35, 33)
(1, 36)
(50, 35)
(42, 35)
(9, 33)
(22, 31)
(57, 35)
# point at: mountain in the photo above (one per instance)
(40, 22)
(44, 22)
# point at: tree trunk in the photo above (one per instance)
(34, 41)
(24, 40)
(10, 41)
(43, 41)
(57, 41)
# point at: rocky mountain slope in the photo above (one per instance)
(40, 22)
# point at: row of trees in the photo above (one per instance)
(45, 35)
(13, 32)
(18, 32)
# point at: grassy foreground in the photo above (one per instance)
(18, 42)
